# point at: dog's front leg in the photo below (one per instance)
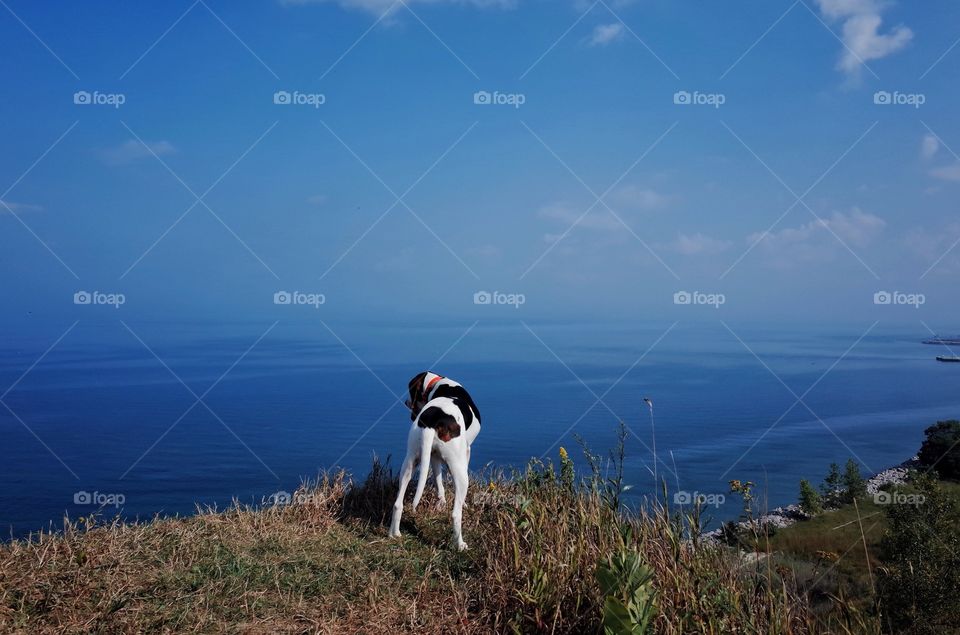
(437, 466)
(406, 472)
(458, 469)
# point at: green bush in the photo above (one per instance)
(854, 485)
(941, 448)
(919, 583)
(832, 486)
(810, 501)
(840, 488)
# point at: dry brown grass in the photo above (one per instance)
(324, 564)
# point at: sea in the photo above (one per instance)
(138, 419)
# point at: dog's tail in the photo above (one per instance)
(426, 449)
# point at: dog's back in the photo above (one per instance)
(461, 398)
(439, 415)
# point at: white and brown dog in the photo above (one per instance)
(445, 424)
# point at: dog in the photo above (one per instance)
(446, 421)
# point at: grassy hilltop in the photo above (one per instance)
(549, 553)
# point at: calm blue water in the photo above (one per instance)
(300, 402)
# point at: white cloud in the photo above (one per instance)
(697, 244)
(929, 146)
(632, 196)
(629, 198)
(947, 172)
(582, 5)
(132, 150)
(598, 218)
(817, 240)
(857, 228)
(836, 9)
(862, 38)
(9, 206)
(379, 7)
(604, 34)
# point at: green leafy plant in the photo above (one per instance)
(627, 584)
(609, 488)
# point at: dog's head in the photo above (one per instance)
(418, 392)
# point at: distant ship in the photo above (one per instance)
(946, 341)
(948, 358)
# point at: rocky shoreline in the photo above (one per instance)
(787, 515)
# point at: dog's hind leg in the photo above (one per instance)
(426, 449)
(406, 472)
(437, 466)
(461, 480)
(471, 435)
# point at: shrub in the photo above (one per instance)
(841, 488)
(941, 448)
(810, 501)
(854, 486)
(832, 486)
(919, 583)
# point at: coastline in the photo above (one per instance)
(786, 515)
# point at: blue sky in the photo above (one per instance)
(493, 196)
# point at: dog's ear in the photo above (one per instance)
(415, 387)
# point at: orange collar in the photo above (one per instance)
(431, 384)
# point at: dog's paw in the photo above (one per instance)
(441, 504)
(462, 546)
(393, 533)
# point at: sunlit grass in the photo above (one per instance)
(325, 564)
